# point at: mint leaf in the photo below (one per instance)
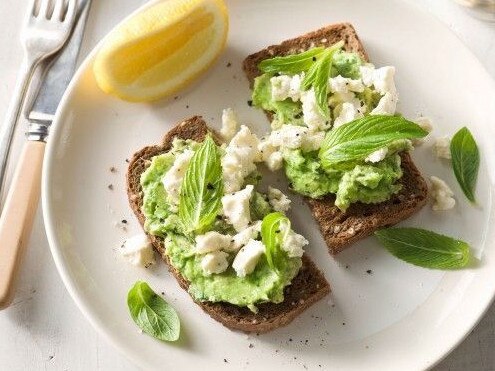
(357, 139)
(317, 78)
(291, 64)
(318, 75)
(152, 314)
(425, 248)
(274, 228)
(202, 187)
(465, 161)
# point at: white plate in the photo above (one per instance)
(397, 317)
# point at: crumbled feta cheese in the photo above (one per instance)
(339, 84)
(138, 251)
(377, 156)
(280, 86)
(246, 259)
(278, 200)
(312, 116)
(243, 237)
(387, 105)
(236, 207)
(292, 137)
(284, 87)
(442, 148)
(212, 241)
(442, 195)
(229, 124)
(238, 162)
(215, 262)
(348, 113)
(172, 179)
(275, 161)
(295, 87)
(312, 141)
(366, 72)
(288, 136)
(270, 155)
(383, 80)
(293, 243)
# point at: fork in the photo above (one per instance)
(48, 26)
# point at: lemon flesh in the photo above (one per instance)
(161, 49)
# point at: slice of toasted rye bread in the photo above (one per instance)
(308, 286)
(341, 229)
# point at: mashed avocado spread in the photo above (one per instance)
(355, 89)
(162, 219)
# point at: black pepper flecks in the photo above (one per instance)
(250, 103)
(369, 271)
(225, 360)
(251, 345)
(110, 187)
(113, 169)
(314, 59)
(229, 64)
(127, 160)
(124, 221)
(210, 186)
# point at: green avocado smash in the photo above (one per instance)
(358, 181)
(262, 285)
(363, 182)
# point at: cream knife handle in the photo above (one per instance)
(17, 216)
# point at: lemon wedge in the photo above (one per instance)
(161, 49)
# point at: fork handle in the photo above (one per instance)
(18, 215)
(7, 130)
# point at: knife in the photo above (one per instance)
(23, 197)
(60, 73)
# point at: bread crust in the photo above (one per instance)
(307, 288)
(342, 229)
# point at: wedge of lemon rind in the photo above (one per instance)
(135, 85)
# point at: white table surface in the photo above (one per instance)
(44, 329)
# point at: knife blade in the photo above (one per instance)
(60, 72)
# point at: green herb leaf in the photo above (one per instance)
(465, 161)
(274, 229)
(152, 314)
(357, 139)
(318, 75)
(292, 64)
(425, 248)
(317, 78)
(202, 187)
